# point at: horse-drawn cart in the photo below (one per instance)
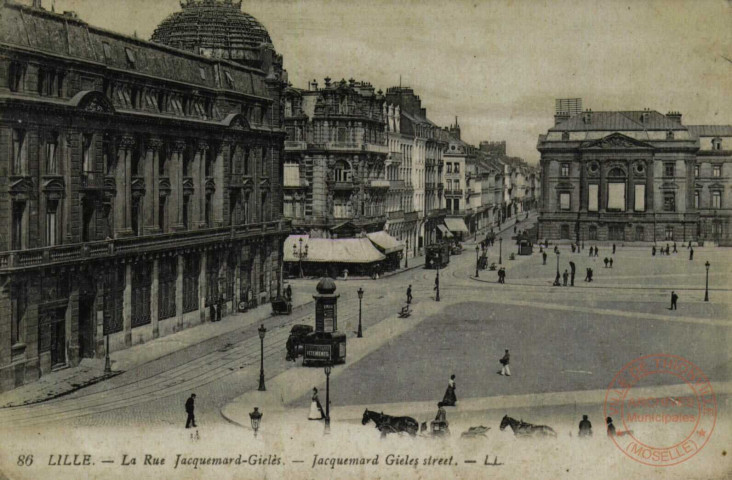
(281, 306)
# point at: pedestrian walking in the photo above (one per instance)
(345, 274)
(606, 261)
(674, 299)
(585, 427)
(220, 307)
(691, 254)
(556, 248)
(587, 276)
(212, 311)
(543, 256)
(409, 294)
(668, 252)
(611, 262)
(610, 427)
(449, 399)
(613, 249)
(572, 269)
(190, 411)
(565, 277)
(514, 229)
(503, 275)
(573, 248)
(592, 250)
(688, 246)
(597, 252)
(675, 251)
(505, 360)
(653, 251)
(316, 409)
(591, 272)
(288, 292)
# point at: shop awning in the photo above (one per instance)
(444, 231)
(341, 250)
(456, 224)
(385, 242)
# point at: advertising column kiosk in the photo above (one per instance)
(326, 345)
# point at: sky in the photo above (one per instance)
(496, 65)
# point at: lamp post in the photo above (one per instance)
(300, 254)
(556, 280)
(500, 250)
(108, 361)
(360, 297)
(477, 260)
(706, 289)
(262, 331)
(406, 255)
(327, 398)
(255, 417)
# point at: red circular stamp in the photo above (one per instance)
(660, 410)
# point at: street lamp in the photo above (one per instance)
(261, 331)
(477, 260)
(437, 279)
(255, 417)
(406, 255)
(300, 254)
(327, 398)
(706, 289)
(556, 280)
(500, 250)
(360, 297)
(108, 361)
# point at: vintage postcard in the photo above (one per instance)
(376, 239)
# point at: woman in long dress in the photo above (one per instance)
(449, 399)
(316, 410)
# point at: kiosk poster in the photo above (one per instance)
(521, 210)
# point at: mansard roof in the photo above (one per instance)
(619, 121)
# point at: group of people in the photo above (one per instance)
(217, 308)
(608, 261)
(502, 275)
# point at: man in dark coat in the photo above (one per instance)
(409, 294)
(572, 269)
(505, 370)
(613, 249)
(691, 253)
(220, 307)
(288, 292)
(585, 427)
(589, 273)
(605, 260)
(212, 310)
(190, 407)
(592, 250)
(653, 250)
(674, 299)
(543, 256)
(675, 251)
(611, 262)
(565, 277)
(597, 252)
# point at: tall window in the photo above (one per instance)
(186, 209)
(696, 171)
(669, 202)
(669, 232)
(263, 209)
(16, 73)
(456, 205)
(565, 169)
(640, 198)
(51, 143)
(457, 168)
(209, 211)
(696, 199)
(162, 212)
(668, 169)
(564, 201)
(51, 222)
(136, 217)
(449, 167)
(717, 199)
(593, 191)
(18, 225)
(342, 172)
(19, 306)
(87, 160)
(717, 170)
(20, 152)
(264, 162)
(592, 232)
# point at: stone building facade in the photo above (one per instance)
(138, 182)
(335, 159)
(625, 176)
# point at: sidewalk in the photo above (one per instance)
(91, 370)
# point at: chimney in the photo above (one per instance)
(675, 116)
(327, 82)
(560, 117)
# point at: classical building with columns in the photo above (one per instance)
(139, 183)
(632, 176)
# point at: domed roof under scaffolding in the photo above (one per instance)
(214, 28)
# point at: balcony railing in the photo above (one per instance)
(344, 186)
(150, 243)
(92, 180)
(399, 214)
(375, 148)
(453, 192)
(395, 158)
(295, 145)
(396, 184)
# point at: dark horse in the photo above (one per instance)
(523, 429)
(388, 424)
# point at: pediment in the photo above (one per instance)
(54, 187)
(669, 186)
(210, 185)
(236, 121)
(21, 186)
(164, 185)
(92, 101)
(616, 141)
(264, 183)
(716, 186)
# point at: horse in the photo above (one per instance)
(388, 424)
(523, 429)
